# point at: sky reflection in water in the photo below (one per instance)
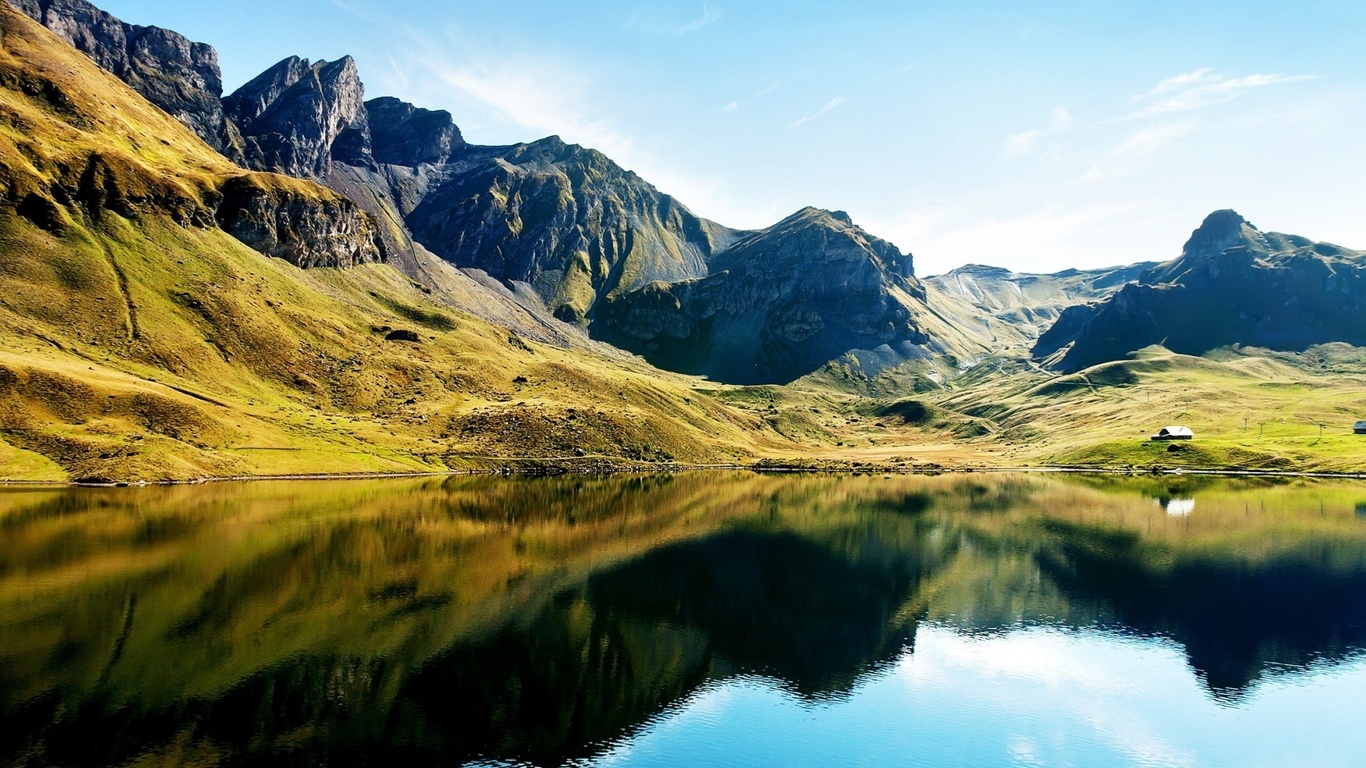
(1030, 697)
(687, 620)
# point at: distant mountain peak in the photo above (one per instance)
(982, 270)
(1221, 230)
(1233, 284)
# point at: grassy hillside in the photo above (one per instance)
(1250, 409)
(138, 341)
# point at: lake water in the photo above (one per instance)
(695, 619)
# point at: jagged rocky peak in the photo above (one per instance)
(1221, 230)
(179, 76)
(403, 134)
(1231, 285)
(298, 117)
(251, 100)
(779, 303)
(1225, 241)
(553, 155)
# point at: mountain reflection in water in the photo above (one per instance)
(446, 621)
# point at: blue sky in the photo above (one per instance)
(1037, 136)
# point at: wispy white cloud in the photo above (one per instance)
(1122, 158)
(709, 16)
(830, 106)
(1150, 140)
(542, 95)
(651, 23)
(1026, 142)
(1200, 89)
(737, 105)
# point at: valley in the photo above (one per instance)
(294, 280)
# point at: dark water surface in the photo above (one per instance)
(700, 619)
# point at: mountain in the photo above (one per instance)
(565, 220)
(1010, 310)
(297, 116)
(778, 304)
(166, 314)
(80, 151)
(1232, 285)
(555, 229)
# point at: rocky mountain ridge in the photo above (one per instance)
(60, 173)
(297, 116)
(563, 225)
(777, 304)
(552, 230)
(1232, 285)
(1008, 311)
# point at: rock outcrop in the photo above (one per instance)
(179, 76)
(779, 304)
(403, 134)
(1233, 284)
(305, 225)
(296, 117)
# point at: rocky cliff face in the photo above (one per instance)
(63, 166)
(177, 75)
(298, 224)
(407, 135)
(1233, 284)
(310, 120)
(779, 304)
(297, 117)
(564, 219)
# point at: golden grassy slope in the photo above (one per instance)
(236, 358)
(140, 342)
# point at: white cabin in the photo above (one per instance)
(1175, 433)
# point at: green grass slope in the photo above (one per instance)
(1250, 409)
(138, 341)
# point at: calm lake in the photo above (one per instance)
(695, 619)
